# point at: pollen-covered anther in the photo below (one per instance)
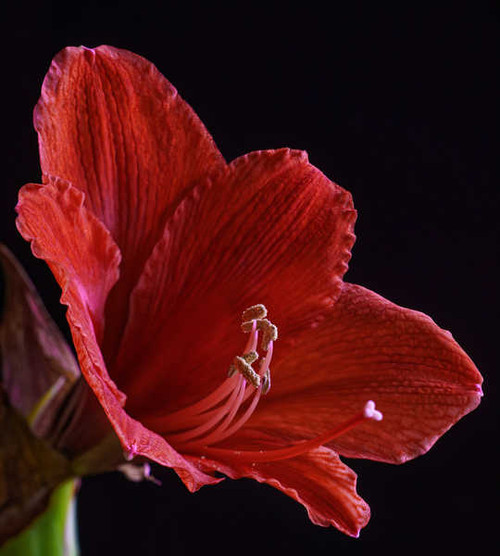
(266, 382)
(250, 357)
(246, 371)
(247, 326)
(254, 312)
(370, 412)
(269, 332)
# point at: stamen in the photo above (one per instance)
(268, 329)
(264, 456)
(252, 340)
(194, 411)
(269, 332)
(246, 370)
(248, 325)
(253, 313)
(264, 365)
(250, 357)
(266, 382)
(265, 371)
(225, 410)
(211, 420)
(224, 432)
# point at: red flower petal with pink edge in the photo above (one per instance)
(369, 348)
(78, 248)
(294, 232)
(115, 128)
(318, 480)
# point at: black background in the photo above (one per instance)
(397, 103)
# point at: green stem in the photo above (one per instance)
(54, 532)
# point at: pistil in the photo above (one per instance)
(264, 456)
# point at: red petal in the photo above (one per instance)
(76, 246)
(84, 259)
(272, 230)
(370, 349)
(318, 480)
(114, 127)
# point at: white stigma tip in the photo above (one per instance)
(370, 412)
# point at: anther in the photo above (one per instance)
(250, 357)
(254, 312)
(268, 329)
(246, 371)
(247, 326)
(266, 382)
(269, 332)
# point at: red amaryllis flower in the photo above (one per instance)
(159, 246)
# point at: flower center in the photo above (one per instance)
(225, 410)
(197, 428)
